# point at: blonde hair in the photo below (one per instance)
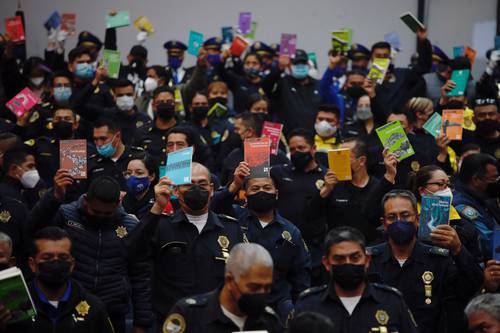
(420, 104)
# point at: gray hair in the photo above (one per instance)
(403, 194)
(244, 256)
(6, 238)
(487, 303)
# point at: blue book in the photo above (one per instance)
(178, 167)
(458, 51)
(496, 244)
(53, 21)
(497, 42)
(227, 35)
(195, 42)
(435, 211)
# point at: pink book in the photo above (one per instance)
(273, 132)
(22, 102)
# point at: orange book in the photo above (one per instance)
(339, 161)
(73, 157)
(257, 155)
(452, 124)
(470, 53)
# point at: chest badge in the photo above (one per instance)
(224, 244)
(121, 231)
(286, 235)
(382, 317)
(5, 216)
(82, 308)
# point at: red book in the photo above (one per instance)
(14, 28)
(239, 46)
(257, 155)
(273, 132)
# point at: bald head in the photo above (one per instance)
(199, 170)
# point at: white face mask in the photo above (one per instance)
(150, 84)
(30, 178)
(37, 81)
(444, 193)
(324, 129)
(125, 103)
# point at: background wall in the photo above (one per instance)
(450, 22)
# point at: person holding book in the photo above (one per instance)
(328, 136)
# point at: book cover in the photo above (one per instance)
(496, 243)
(22, 102)
(68, 23)
(458, 51)
(412, 22)
(339, 161)
(15, 295)
(118, 20)
(433, 125)
(313, 57)
(453, 121)
(73, 157)
(53, 21)
(379, 70)
(257, 155)
(238, 46)
(497, 42)
(341, 40)
(435, 210)
(14, 27)
(245, 22)
(253, 30)
(217, 110)
(195, 42)
(142, 23)
(470, 53)
(393, 137)
(227, 35)
(273, 132)
(111, 60)
(179, 165)
(288, 44)
(460, 77)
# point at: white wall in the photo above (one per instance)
(450, 21)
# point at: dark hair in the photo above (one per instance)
(191, 138)
(13, 156)
(78, 52)
(60, 74)
(310, 322)
(160, 71)
(303, 133)
(409, 115)
(381, 45)
(49, 233)
(251, 120)
(355, 72)
(105, 189)
(35, 62)
(163, 89)
(403, 194)
(329, 108)
(107, 122)
(469, 147)
(8, 136)
(475, 165)
(64, 106)
(344, 234)
(420, 178)
(151, 165)
(254, 98)
(259, 58)
(139, 51)
(122, 83)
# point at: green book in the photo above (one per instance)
(393, 137)
(460, 77)
(342, 40)
(253, 29)
(120, 19)
(412, 22)
(433, 125)
(218, 110)
(111, 60)
(379, 70)
(15, 296)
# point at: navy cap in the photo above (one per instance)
(275, 47)
(300, 56)
(261, 49)
(358, 52)
(175, 46)
(87, 39)
(139, 51)
(439, 55)
(214, 43)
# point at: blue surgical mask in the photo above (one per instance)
(252, 72)
(137, 185)
(62, 94)
(174, 62)
(84, 70)
(401, 232)
(300, 71)
(213, 59)
(107, 149)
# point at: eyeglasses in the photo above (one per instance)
(405, 216)
(442, 185)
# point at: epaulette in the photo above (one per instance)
(93, 156)
(387, 288)
(438, 251)
(195, 301)
(312, 290)
(374, 250)
(224, 216)
(30, 142)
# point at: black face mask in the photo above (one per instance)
(63, 130)
(199, 112)
(493, 189)
(487, 127)
(53, 274)
(196, 198)
(261, 202)
(165, 111)
(220, 100)
(453, 105)
(347, 276)
(4, 265)
(355, 92)
(301, 159)
(252, 305)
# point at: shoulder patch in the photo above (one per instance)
(224, 216)
(438, 251)
(313, 290)
(387, 288)
(175, 323)
(469, 212)
(30, 142)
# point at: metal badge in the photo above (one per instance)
(223, 242)
(121, 231)
(286, 235)
(5, 216)
(175, 323)
(382, 317)
(82, 308)
(428, 277)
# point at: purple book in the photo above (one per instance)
(288, 44)
(245, 22)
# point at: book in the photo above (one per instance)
(68, 23)
(412, 22)
(458, 51)
(393, 137)
(245, 22)
(339, 161)
(217, 110)
(313, 57)
(496, 243)
(195, 42)
(470, 53)
(453, 121)
(288, 44)
(238, 46)
(179, 165)
(53, 21)
(435, 210)
(257, 155)
(393, 39)
(227, 35)
(253, 30)
(22, 102)
(179, 103)
(273, 132)
(497, 42)
(111, 60)
(15, 295)
(142, 23)
(73, 157)
(379, 70)
(118, 20)
(461, 78)
(433, 125)
(341, 40)
(14, 27)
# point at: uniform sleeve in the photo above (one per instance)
(407, 322)
(300, 274)
(222, 202)
(44, 213)
(466, 275)
(139, 271)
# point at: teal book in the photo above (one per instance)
(111, 60)
(460, 77)
(178, 167)
(118, 20)
(393, 137)
(195, 42)
(15, 296)
(435, 211)
(227, 35)
(458, 51)
(433, 125)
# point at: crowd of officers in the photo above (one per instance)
(126, 249)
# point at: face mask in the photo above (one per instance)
(401, 232)
(301, 159)
(199, 112)
(37, 81)
(221, 100)
(213, 59)
(347, 276)
(125, 103)
(165, 111)
(30, 178)
(107, 149)
(196, 198)
(53, 274)
(300, 71)
(252, 72)
(453, 105)
(444, 193)
(487, 127)
(355, 92)
(62, 94)
(63, 130)
(137, 185)
(493, 189)
(252, 304)
(174, 62)
(150, 84)
(261, 202)
(364, 113)
(4, 265)
(84, 70)
(324, 129)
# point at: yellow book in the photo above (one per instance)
(339, 161)
(142, 23)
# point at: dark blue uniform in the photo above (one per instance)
(154, 141)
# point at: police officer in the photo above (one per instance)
(175, 57)
(13, 216)
(190, 247)
(360, 57)
(428, 276)
(240, 305)
(349, 300)
(213, 47)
